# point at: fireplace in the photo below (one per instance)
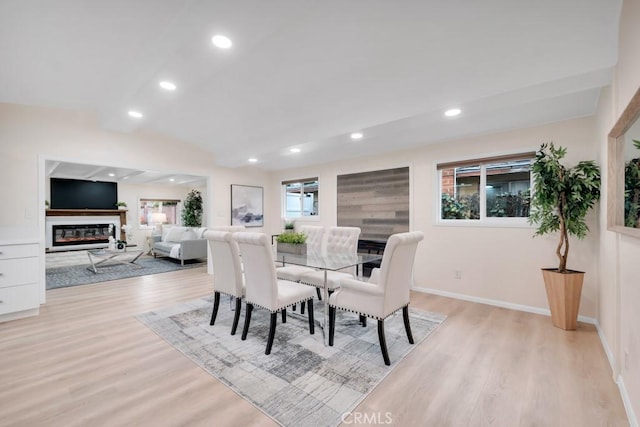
(75, 229)
(71, 235)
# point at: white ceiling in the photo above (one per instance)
(55, 169)
(306, 73)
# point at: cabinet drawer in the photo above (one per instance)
(19, 271)
(18, 251)
(18, 298)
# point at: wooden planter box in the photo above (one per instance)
(292, 248)
(563, 293)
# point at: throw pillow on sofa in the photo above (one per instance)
(165, 232)
(189, 235)
(175, 234)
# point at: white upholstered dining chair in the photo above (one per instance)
(386, 292)
(339, 241)
(263, 288)
(315, 235)
(227, 272)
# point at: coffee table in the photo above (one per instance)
(101, 258)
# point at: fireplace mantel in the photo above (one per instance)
(92, 212)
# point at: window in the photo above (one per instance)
(153, 212)
(486, 189)
(300, 198)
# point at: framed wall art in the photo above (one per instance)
(247, 205)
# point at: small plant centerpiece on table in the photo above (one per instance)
(292, 243)
(289, 225)
(561, 200)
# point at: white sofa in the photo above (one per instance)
(181, 243)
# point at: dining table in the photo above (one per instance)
(326, 262)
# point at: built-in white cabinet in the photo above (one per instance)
(20, 292)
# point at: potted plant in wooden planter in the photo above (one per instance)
(292, 243)
(561, 199)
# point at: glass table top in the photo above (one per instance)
(326, 262)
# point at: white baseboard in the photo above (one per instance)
(633, 421)
(496, 303)
(19, 314)
(607, 351)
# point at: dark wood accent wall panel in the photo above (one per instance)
(377, 202)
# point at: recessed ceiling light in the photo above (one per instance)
(167, 85)
(253, 160)
(221, 41)
(135, 114)
(356, 135)
(452, 112)
(112, 174)
(295, 150)
(171, 179)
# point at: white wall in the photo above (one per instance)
(30, 134)
(501, 264)
(619, 254)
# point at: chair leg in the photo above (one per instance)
(302, 305)
(284, 315)
(216, 303)
(319, 294)
(247, 319)
(383, 343)
(311, 322)
(363, 320)
(332, 324)
(293, 307)
(236, 317)
(272, 332)
(407, 325)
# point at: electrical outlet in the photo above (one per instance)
(458, 274)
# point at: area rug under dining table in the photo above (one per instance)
(302, 382)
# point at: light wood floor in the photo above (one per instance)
(86, 361)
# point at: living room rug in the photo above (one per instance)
(73, 275)
(302, 382)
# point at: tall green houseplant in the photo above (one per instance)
(192, 211)
(561, 200)
(562, 197)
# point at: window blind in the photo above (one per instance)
(485, 160)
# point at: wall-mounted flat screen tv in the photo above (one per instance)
(80, 194)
